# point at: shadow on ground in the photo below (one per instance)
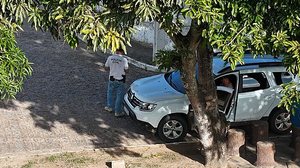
(67, 93)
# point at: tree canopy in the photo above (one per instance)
(268, 27)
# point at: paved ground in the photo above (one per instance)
(61, 106)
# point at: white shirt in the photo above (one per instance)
(117, 66)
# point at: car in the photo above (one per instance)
(160, 100)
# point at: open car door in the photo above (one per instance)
(227, 94)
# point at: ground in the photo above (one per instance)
(145, 156)
(178, 155)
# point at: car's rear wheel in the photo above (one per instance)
(280, 122)
(172, 128)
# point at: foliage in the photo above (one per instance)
(14, 66)
(168, 60)
(262, 27)
(291, 97)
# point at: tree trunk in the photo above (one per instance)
(203, 98)
(202, 93)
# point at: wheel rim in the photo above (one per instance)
(283, 122)
(172, 129)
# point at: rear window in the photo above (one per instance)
(282, 77)
(254, 81)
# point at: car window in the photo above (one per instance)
(223, 100)
(282, 77)
(254, 81)
(174, 80)
(231, 81)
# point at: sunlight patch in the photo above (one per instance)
(38, 41)
(104, 126)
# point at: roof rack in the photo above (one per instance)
(259, 64)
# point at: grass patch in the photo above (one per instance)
(69, 158)
(168, 156)
(51, 158)
(59, 157)
(156, 155)
(29, 164)
(81, 160)
(139, 165)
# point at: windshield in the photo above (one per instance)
(174, 80)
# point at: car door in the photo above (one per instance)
(280, 77)
(227, 95)
(255, 96)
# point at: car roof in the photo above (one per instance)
(220, 66)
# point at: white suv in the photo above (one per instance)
(161, 101)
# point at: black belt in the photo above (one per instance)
(111, 78)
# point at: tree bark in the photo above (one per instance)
(203, 98)
(202, 94)
(213, 135)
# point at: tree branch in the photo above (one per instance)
(237, 35)
(195, 33)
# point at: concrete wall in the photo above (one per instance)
(148, 33)
(145, 33)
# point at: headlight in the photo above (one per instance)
(147, 106)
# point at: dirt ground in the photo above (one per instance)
(155, 156)
(178, 155)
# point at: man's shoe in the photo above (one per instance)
(119, 114)
(108, 109)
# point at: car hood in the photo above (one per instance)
(153, 89)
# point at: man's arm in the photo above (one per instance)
(107, 63)
(126, 66)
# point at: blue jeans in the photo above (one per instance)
(115, 94)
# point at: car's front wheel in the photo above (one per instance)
(172, 128)
(280, 122)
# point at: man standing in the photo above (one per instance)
(117, 66)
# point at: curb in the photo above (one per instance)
(142, 65)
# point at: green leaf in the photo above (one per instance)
(85, 31)
(58, 17)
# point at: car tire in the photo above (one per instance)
(279, 122)
(172, 128)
